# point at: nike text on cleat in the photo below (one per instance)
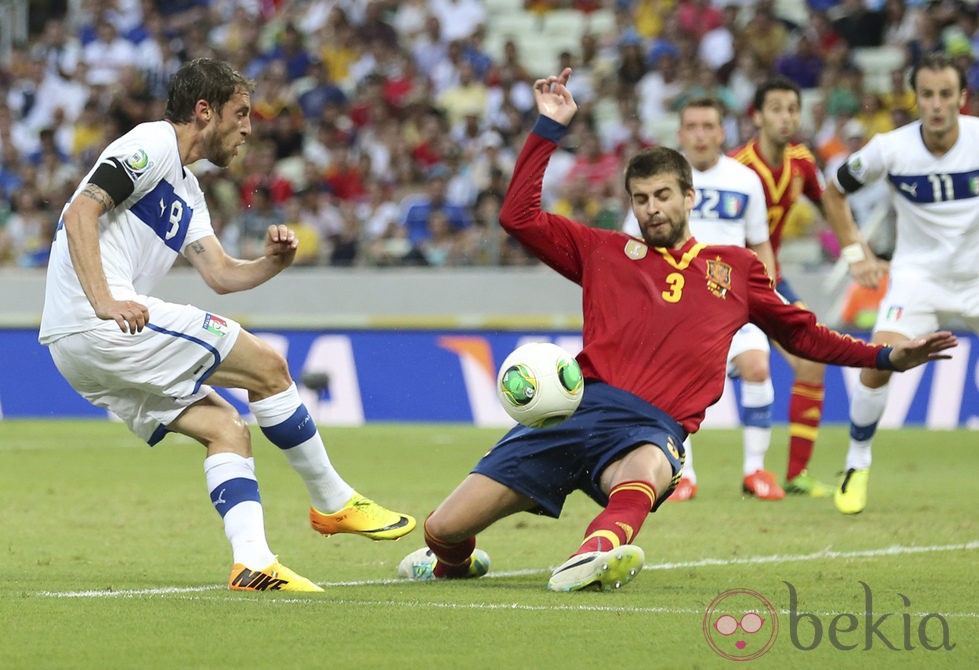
(685, 490)
(363, 516)
(762, 485)
(276, 577)
(419, 565)
(804, 484)
(851, 496)
(598, 570)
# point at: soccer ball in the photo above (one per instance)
(540, 385)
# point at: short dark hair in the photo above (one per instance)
(202, 79)
(659, 160)
(704, 102)
(777, 83)
(937, 60)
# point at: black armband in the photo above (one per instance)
(112, 178)
(847, 180)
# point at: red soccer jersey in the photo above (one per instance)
(658, 322)
(784, 183)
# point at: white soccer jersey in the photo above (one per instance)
(729, 207)
(139, 239)
(936, 198)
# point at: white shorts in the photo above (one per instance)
(149, 378)
(748, 338)
(916, 304)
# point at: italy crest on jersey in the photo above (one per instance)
(215, 324)
(718, 277)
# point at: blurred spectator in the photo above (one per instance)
(716, 47)
(466, 97)
(429, 48)
(255, 220)
(458, 18)
(29, 229)
(59, 50)
(417, 208)
(261, 174)
(698, 17)
(858, 25)
(345, 174)
(803, 64)
(319, 92)
(107, 55)
(764, 35)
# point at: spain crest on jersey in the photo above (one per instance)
(718, 277)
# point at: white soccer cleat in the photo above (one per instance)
(419, 565)
(600, 570)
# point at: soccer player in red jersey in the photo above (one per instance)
(788, 170)
(659, 314)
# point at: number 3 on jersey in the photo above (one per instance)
(675, 291)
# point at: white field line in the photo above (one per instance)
(895, 550)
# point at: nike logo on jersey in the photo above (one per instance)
(910, 189)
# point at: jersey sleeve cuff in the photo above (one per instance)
(884, 359)
(549, 129)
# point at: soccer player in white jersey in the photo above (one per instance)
(147, 360)
(932, 169)
(730, 209)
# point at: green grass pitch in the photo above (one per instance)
(112, 557)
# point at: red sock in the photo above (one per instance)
(805, 413)
(629, 504)
(453, 558)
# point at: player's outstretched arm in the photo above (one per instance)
(225, 274)
(921, 350)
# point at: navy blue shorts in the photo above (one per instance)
(547, 464)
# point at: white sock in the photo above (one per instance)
(688, 472)
(234, 491)
(756, 442)
(756, 416)
(866, 408)
(288, 425)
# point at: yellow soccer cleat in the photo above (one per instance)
(598, 570)
(363, 516)
(276, 577)
(851, 496)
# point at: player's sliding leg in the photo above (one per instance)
(606, 558)
(336, 507)
(805, 415)
(450, 531)
(866, 409)
(686, 488)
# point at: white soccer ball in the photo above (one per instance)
(540, 385)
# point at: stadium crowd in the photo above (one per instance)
(385, 132)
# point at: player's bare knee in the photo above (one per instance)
(874, 378)
(436, 528)
(755, 371)
(274, 378)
